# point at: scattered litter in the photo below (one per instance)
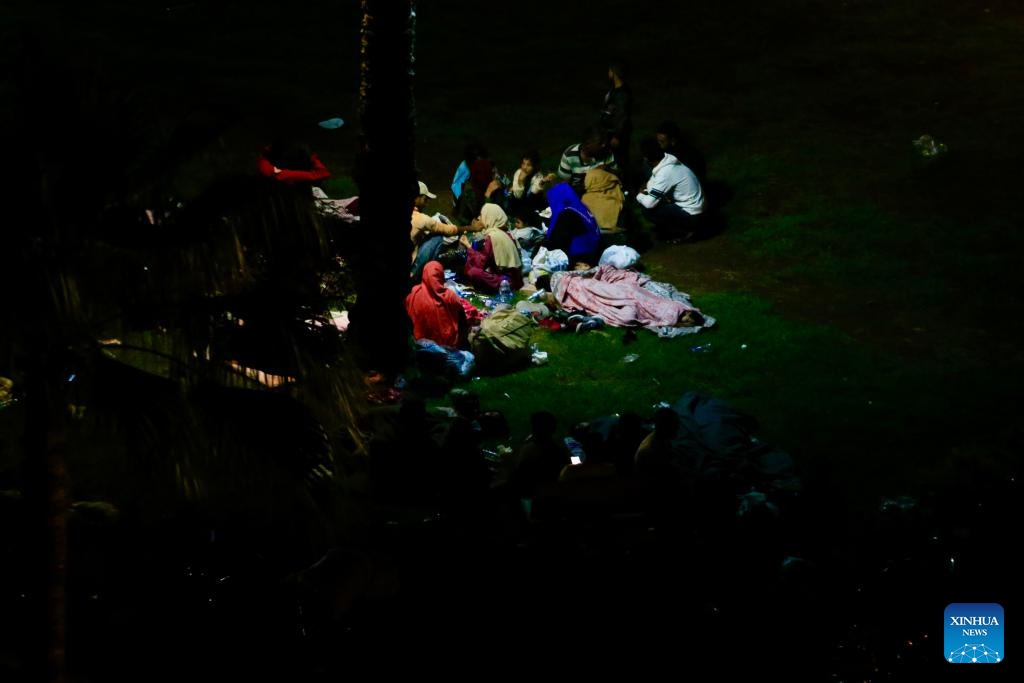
(929, 146)
(631, 357)
(743, 346)
(331, 124)
(539, 357)
(701, 348)
(897, 503)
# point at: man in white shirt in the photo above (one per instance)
(673, 199)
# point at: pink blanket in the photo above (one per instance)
(619, 297)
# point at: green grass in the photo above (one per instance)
(876, 292)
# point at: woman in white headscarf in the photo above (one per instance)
(499, 255)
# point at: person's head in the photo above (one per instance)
(651, 150)
(529, 163)
(594, 145)
(423, 195)
(433, 276)
(473, 150)
(493, 216)
(543, 424)
(667, 134)
(618, 71)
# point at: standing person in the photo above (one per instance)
(616, 119)
(672, 199)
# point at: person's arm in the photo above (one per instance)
(657, 188)
(266, 168)
(318, 172)
(565, 167)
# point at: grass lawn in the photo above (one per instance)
(867, 297)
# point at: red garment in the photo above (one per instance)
(483, 273)
(292, 177)
(436, 311)
(481, 173)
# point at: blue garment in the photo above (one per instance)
(461, 176)
(562, 199)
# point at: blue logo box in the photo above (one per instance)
(973, 633)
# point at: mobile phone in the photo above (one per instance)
(575, 460)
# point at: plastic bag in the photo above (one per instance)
(619, 256)
(550, 261)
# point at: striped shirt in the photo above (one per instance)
(574, 169)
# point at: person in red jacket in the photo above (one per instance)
(291, 164)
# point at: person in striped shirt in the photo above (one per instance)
(593, 152)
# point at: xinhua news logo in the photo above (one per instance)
(974, 633)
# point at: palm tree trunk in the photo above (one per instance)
(385, 173)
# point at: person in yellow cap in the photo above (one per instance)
(427, 232)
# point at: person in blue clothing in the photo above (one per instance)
(573, 228)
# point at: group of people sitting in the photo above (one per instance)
(585, 198)
(501, 224)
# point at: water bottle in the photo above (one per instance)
(504, 292)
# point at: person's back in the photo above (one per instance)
(574, 228)
(436, 312)
(541, 457)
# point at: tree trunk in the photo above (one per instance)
(386, 176)
(46, 493)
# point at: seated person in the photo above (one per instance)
(498, 257)
(437, 313)
(603, 196)
(672, 198)
(670, 138)
(292, 164)
(427, 233)
(593, 152)
(527, 193)
(573, 228)
(478, 176)
(541, 458)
